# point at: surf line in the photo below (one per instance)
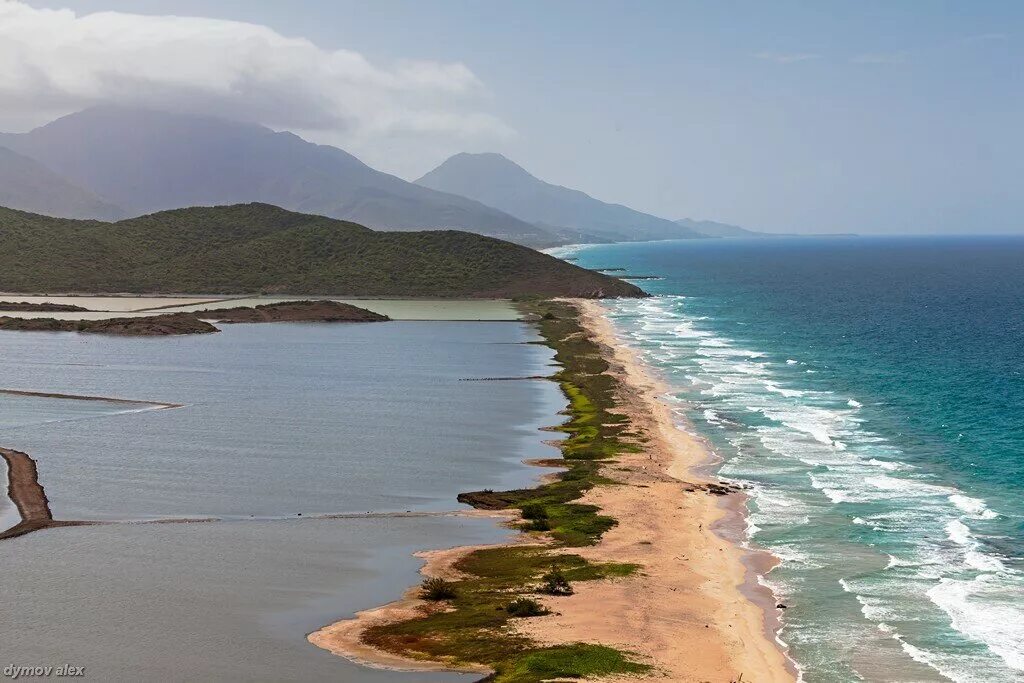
(159, 405)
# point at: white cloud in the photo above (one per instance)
(785, 57)
(57, 61)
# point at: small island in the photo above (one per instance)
(170, 324)
(141, 326)
(294, 311)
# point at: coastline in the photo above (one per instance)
(693, 611)
(719, 574)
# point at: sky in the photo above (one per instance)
(816, 117)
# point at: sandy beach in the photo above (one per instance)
(695, 611)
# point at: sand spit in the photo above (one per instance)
(687, 612)
(344, 638)
(28, 496)
(159, 405)
(693, 611)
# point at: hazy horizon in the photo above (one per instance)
(835, 118)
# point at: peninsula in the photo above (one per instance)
(618, 571)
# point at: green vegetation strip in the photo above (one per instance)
(473, 628)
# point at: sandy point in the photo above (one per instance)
(694, 611)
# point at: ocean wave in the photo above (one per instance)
(783, 433)
(889, 465)
(986, 609)
(975, 507)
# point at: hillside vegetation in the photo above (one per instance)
(249, 248)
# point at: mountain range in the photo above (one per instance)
(715, 229)
(144, 161)
(114, 162)
(28, 185)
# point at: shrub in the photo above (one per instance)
(534, 511)
(538, 525)
(437, 589)
(555, 583)
(526, 607)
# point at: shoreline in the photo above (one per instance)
(693, 612)
(719, 574)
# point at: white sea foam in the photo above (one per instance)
(813, 429)
(789, 393)
(972, 506)
(912, 488)
(897, 562)
(888, 464)
(958, 532)
(835, 495)
(988, 610)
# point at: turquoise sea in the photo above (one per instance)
(870, 393)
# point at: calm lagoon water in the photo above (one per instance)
(229, 601)
(282, 419)
(871, 391)
(278, 420)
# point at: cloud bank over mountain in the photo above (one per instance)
(58, 61)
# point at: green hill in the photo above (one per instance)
(249, 248)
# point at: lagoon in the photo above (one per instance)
(277, 421)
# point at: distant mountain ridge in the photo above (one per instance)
(715, 229)
(28, 185)
(253, 248)
(496, 181)
(145, 161)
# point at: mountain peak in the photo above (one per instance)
(491, 163)
(497, 181)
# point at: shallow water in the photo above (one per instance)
(120, 304)
(282, 419)
(229, 601)
(278, 420)
(870, 391)
(397, 309)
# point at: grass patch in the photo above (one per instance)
(569, 661)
